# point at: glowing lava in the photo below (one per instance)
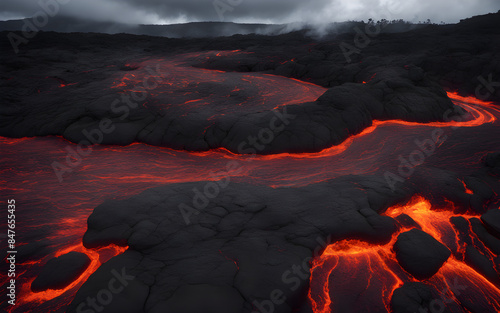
(30, 299)
(59, 210)
(478, 114)
(353, 271)
(467, 190)
(177, 88)
(96, 261)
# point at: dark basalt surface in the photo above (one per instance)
(404, 72)
(60, 272)
(492, 161)
(419, 297)
(310, 127)
(232, 251)
(420, 254)
(236, 248)
(491, 220)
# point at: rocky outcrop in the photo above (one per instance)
(61, 271)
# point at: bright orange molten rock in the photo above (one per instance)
(371, 273)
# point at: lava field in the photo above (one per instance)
(254, 173)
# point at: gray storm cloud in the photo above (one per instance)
(255, 11)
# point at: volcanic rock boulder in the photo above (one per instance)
(420, 254)
(59, 272)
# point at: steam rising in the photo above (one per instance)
(315, 12)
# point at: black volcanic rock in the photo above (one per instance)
(463, 231)
(455, 191)
(33, 250)
(492, 161)
(405, 221)
(418, 297)
(61, 271)
(238, 245)
(482, 264)
(236, 248)
(404, 75)
(344, 110)
(420, 254)
(491, 220)
(490, 241)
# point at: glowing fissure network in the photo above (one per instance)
(373, 268)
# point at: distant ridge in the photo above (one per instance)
(190, 30)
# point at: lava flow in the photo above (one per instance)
(353, 271)
(58, 211)
(181, 89)
(97, 258)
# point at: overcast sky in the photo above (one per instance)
(259, 11)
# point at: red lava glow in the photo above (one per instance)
(479, 114)
(371, 78)
(191, 89)
(371, 272)
(467, 190)
(96, 261)
(59, 210)
(472, 100)
(30, 299)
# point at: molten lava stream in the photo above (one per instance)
(350, 269)
(59, 210)
(478, 114)
(353, 275)
(184, 89)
